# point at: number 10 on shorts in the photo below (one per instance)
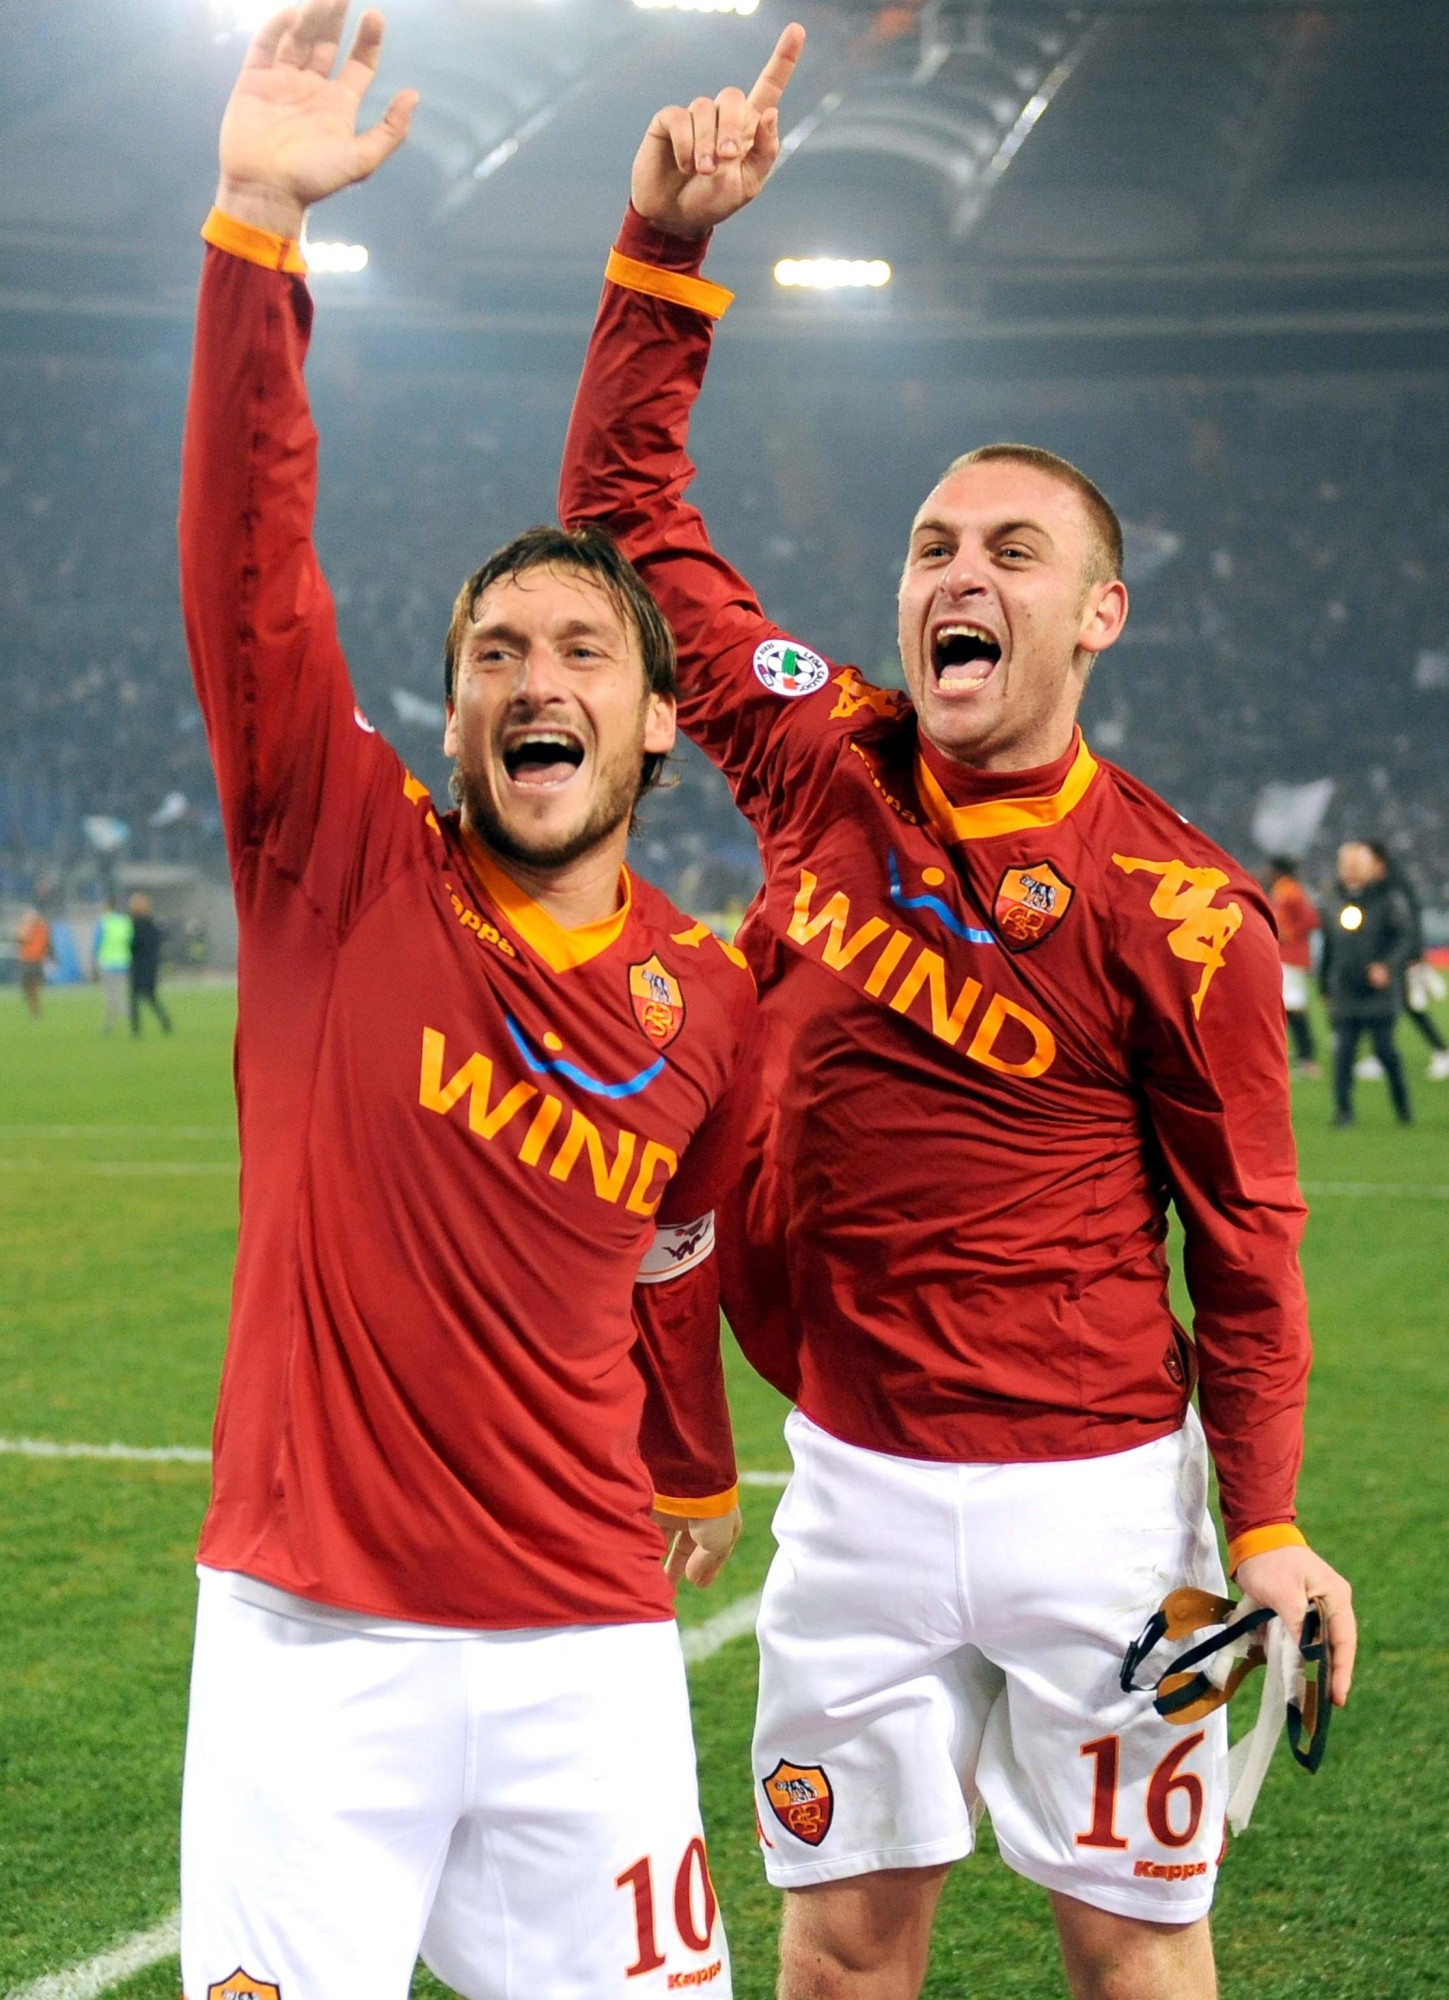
(695, 1906)
(1173, 1795)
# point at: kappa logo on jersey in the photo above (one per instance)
(856, 693)
(1184, 897)
(1030, 903)
(241, 1986)
(658, 1001)
(788, 669)
(801, 1799)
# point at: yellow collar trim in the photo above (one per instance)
(561, 950)
(993, 816)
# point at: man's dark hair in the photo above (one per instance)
(1105, 563)
(587, 552)
(1284, 864)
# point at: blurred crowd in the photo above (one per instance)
(1287, 550)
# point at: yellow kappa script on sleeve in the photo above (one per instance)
(1184, 897)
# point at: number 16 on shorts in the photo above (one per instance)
(1172, 1806)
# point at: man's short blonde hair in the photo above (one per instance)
(1105, 560)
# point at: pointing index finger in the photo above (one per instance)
(770, 83)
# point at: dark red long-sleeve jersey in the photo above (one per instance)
(1005, 1020)
(460, 1123)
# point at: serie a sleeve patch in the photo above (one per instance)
(789, 670)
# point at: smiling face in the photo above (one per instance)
(551, 718)
(1002, 610)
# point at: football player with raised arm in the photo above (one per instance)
(438, 1698)
(1013, 1009)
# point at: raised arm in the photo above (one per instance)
(626, 464)
(273, 685)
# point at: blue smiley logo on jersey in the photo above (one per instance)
(934, 904)
(560, 1066)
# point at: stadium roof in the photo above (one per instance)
(1028, 167)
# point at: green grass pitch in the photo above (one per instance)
(118, 1195)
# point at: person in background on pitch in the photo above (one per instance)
(147, 938)
(1298, 919)
(32, 940)
(111, 957)
(1369, 941)
(1423, 983)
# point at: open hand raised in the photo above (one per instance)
(700, 163)
(290, 134)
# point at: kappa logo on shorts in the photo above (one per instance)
(789, 670)
(1030, 903)
(241, 1986)
(802, 1800)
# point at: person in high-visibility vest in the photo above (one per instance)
(111, 956)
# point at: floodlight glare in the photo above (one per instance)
(242, 16)
(833, 274)
(700, 6)
(335, 256)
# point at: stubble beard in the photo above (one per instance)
(612, 808)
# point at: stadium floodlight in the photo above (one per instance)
(242, 17)
(833, 274)
(699, 6)
(345, 257)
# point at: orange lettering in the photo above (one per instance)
(983, 1042)
(537, 1135)
(475, 1078)
(838, 950)
(929, 970)
(582, 1132)
(653, 1158)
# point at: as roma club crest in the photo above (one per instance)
(658, 1001)
(1030, 903)
(801, 1799)
(241, 1986)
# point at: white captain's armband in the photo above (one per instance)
(677, 1248)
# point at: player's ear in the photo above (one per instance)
(1103, 615)
(659, 723)
(450, 732)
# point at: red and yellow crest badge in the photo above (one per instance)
(658, 1001)
(241, 1986)
(801, 1799)
(1030, 903)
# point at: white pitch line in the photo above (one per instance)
(702, 1642)
(119, 1131)
(1406, 1190)
(99, 1975)
(114, 1168)
(157, 1454)
(764, 1479)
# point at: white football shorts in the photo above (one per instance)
(520, 1808)
(937, 1639)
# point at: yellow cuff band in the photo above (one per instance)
(698, 1510)
(697, 293)
(1258, 1541)
(256, 246)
